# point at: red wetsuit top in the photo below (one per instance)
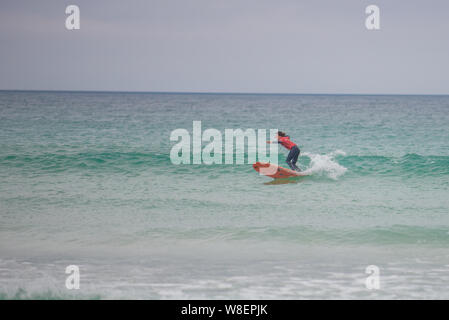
(285, 141)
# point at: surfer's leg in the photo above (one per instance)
(295, 157)
(291, 165)
(290, 158)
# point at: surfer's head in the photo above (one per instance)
(281, 134)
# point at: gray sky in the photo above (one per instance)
(294, 46)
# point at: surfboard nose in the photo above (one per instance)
(258, 165)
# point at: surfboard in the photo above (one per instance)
(275, 171)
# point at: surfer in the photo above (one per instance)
(293, 155)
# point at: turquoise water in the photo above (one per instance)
(86, 179)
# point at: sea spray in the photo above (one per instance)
(325, 165)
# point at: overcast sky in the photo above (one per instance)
(285, 46)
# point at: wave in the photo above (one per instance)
(332, 165)
(50, 294)
(57, 162)
(337, 163)
(325, 164)
(388, 235)
(407, 165)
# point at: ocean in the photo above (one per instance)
(86, 179)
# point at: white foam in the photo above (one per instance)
(325, 165)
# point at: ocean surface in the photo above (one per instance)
(86, 179)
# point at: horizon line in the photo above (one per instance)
(223, 93)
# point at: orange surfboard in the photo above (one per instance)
(275, 171)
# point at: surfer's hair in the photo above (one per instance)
(280, 133)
